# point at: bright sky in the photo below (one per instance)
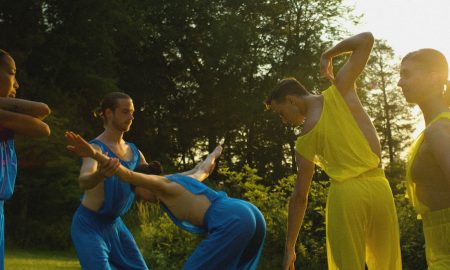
(406, 25)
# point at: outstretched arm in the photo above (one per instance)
(143, 193)
(79, 146)
(297, 207)
(32, 108)
(360, 47)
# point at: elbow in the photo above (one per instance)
(82, 185)
(43, 130)
(43, 111)
(368, 38)
(46, 130)
(46, 111)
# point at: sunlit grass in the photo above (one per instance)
(40, 260)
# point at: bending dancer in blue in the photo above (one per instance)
(16, 116)
(236, 228)
(101, 239)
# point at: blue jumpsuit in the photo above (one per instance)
(8, 172)
(236, 230)
(101, 239)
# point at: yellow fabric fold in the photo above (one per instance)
(336, 143)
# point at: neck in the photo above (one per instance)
(111, 135)
(432, 108)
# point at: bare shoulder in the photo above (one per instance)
(438, 128)
(438, 133)
(315, 108)
(352, 100)
(142, 158)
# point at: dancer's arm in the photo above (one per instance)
(297, 207)
(32, 108)
(93, 173)
(78, 145)
(360, 47)
(23, 124)
(143, 193)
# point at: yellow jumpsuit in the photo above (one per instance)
(436, 224)
(361, 220)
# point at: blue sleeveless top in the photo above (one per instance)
(118, 194)
(8, 166)
(197, 188)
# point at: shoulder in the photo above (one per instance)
(438, 128)
(438, 133)
(315, 105)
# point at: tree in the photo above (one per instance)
(387, 107)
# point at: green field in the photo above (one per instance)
(40, 260)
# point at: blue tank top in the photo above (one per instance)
(195, 187)
(118, 194)
(8, 166)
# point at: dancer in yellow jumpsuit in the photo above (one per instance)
(337, 135)
(423, 75)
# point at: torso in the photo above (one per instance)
(363, 120)
(93, 198)
(357, 110)
(183, 204)
(432, 187)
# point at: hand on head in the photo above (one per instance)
(326, 68)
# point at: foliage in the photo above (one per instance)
(411, 235)
(384, 102)
(37, 214)
(198, 72)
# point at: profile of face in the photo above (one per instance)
(122, 117)
(417, 83)
(289, 113)
(8, 82)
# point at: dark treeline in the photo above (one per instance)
(198, 72)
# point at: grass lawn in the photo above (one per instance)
(40, 260)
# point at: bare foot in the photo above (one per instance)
(207, 166)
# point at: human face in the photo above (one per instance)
(289, 113)
(8, 82)
(416, 83)
(122, 117)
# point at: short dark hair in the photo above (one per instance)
(154, 167)
(109, 101)
(3, 53)
(430, 59)
(287, 86)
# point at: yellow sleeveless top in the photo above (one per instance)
(410, 185)
(337, 144)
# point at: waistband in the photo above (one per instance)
(376, 174)
(86, 212)
(435, 218)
